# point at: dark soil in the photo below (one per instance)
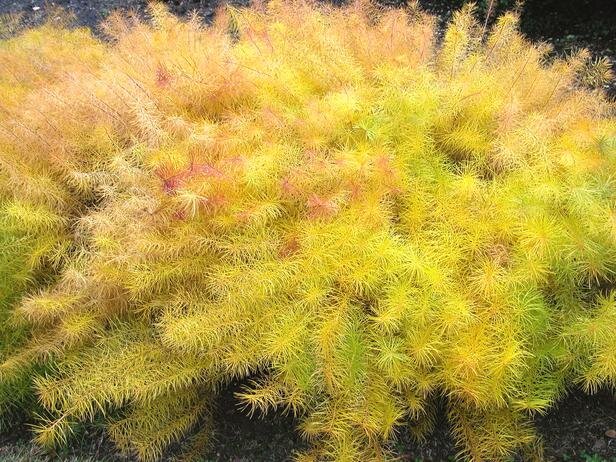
(574, 431)
(577, 428)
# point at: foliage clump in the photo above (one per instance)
(325, 202)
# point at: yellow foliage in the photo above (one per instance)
(325, 201)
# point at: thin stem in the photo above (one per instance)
(485, 23)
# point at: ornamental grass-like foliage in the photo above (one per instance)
(34, 205)
(328, 204)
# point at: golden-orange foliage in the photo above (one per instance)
(325, 201)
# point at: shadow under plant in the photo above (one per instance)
(576, 431)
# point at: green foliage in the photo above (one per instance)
(324, 202)
(586, 457)
(12, 276)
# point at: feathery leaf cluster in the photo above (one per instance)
(324, 202)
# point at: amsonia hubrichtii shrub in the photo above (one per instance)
(326, 203)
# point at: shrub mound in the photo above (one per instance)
(327, 203)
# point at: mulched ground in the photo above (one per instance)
(91, 12)
(574, 431)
